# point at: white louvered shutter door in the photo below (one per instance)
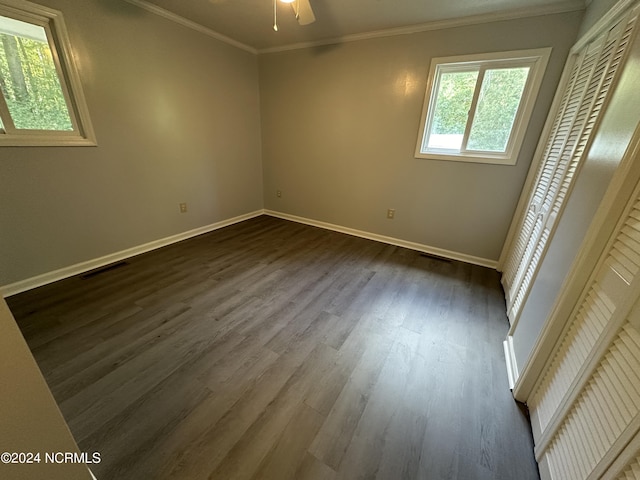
(531, 223)
(632, 472)
(592, 74)
(585, 406)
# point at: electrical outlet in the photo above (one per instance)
(391, 213)
(183, 208)
(278, 193)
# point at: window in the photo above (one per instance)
(41, 101)
(477, 107)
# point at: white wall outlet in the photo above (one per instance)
(278, 193)
(391, 213)
(183, 208)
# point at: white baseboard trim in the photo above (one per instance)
(440, 252)
(510, 359)
(78, 268)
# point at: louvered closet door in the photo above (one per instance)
(586, 406)
(632, 472)
(592, 73)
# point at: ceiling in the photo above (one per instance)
(250, 22)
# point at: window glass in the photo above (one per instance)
(477, 107)
(41, 97)
(498, 103)
(30, 83)
(454, 96)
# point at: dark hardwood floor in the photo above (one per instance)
(274, 350)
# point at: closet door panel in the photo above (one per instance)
(593, 72)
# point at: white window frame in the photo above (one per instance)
(53, 23)
(536, 59)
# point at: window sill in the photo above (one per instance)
(469, 158)
(45, 141)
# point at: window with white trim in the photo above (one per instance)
(477, 107)
(41, 98)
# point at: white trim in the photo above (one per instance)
(629, 434)
(510, 359)
(534, 59)
(78, 268)
(92, 475)
(62, 54)
(191, 24)
(605, 22)
(563, 7)
(440, 252)
(623, 460)
(544, 470)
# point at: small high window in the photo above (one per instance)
(477, 107)
(41, 101)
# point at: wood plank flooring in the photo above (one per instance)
(274, 350)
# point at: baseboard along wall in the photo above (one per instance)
(79, 268)
(440, 252)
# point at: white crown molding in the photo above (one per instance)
(191, 24)
(440, 252)
(564, 7)
(78, 268)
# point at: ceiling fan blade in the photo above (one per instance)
(304, 13)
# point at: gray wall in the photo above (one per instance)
(178, 118)
(176, 114)
(610, 142)
(339, 129)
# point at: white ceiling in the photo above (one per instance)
(250, 21)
